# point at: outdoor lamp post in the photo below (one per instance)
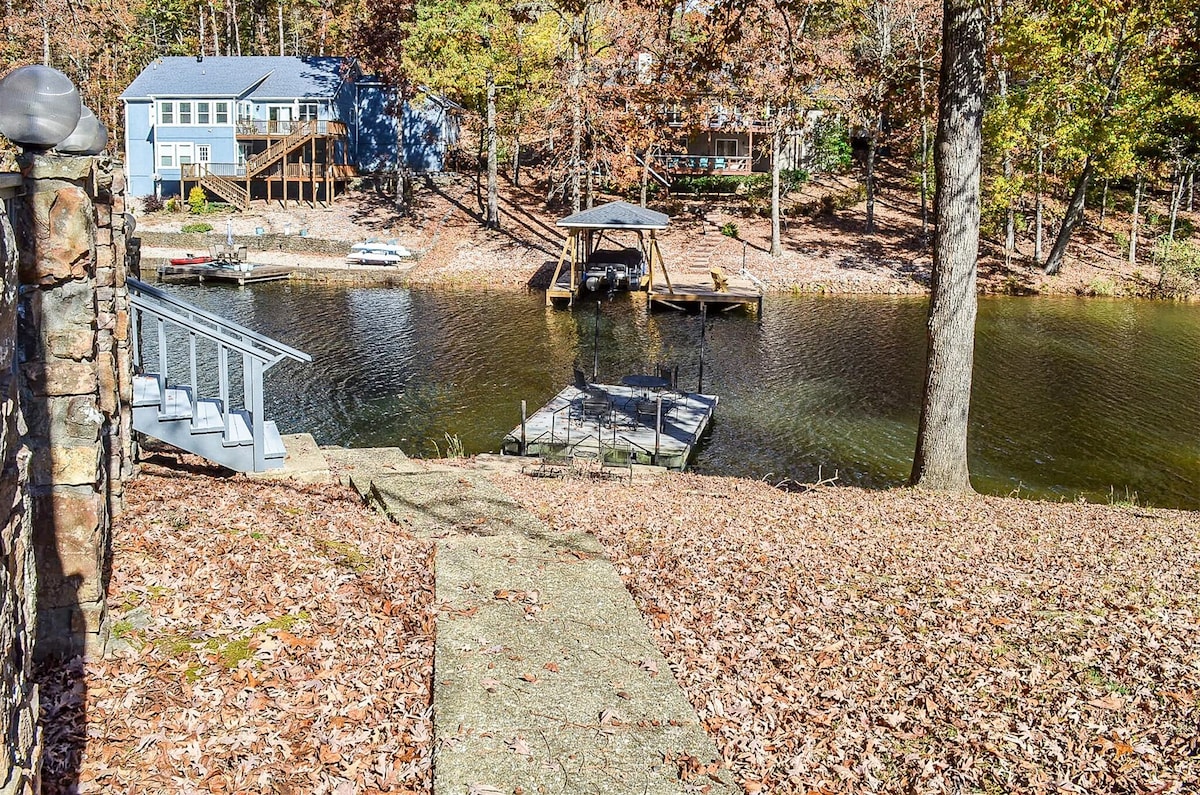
(39, 107)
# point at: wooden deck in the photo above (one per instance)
(690, 288)
(217, 273)
(565, 428)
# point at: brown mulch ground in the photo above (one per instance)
(844, 641)
(280, 639)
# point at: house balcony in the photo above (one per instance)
(680, 165)
(323, 128)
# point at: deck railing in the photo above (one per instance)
(199, 170)
(702, 164)
(258, 127)
(156, 311)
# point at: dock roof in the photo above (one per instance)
(616, 215)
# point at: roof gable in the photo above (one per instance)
(616, 215)
(249, 76)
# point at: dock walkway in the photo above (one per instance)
(218, 273)
(576, 424)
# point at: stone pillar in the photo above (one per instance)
(18, 571)
(75, 386)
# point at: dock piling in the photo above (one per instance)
(523, 417)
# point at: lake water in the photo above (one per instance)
(1072, 397)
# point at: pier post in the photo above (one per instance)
(657, 425)
(523, 417)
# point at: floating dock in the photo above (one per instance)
(684, 289)
(659, 428)
(221, 273)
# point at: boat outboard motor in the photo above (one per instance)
(593, 283)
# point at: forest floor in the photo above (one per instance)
(277, 638)
(825, 246)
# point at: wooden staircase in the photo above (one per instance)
(226, 188)
(169, 405)
(301, 134)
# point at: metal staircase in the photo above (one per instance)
(300, 134)
(173, 406)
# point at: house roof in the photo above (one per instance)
(248, 76)
(616, 215)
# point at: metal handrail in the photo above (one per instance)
(259, 353)
(222, 325)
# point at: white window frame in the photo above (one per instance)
(221, 108)
(185, 106)
(203, 153)
(300, 109)
(204, 112)
(717, 147)
(171, 154)
(166, 113)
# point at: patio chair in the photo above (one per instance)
(670, 374)
(616, 461)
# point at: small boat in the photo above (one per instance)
(378, 252)
(190, 260)
(620, 269)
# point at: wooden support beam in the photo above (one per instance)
(558, 269)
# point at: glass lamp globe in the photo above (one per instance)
(88, 137)
(39, 106)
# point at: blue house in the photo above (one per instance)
(269, 127)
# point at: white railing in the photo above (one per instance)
(258, 352)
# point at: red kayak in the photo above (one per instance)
(191, 260)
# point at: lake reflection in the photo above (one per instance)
(1072, 396)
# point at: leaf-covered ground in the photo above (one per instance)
(279, 640)
(842, 640)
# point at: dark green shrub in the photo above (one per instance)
(831, 147)
(729, 229)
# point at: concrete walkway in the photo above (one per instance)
(546, 677)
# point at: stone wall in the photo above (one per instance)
(75, 391)
(18, 582)
(199, 242)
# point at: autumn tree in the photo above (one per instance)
(940, 461)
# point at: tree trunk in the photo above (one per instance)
(872, 144)
(516, 158)
(493, 188)
(1103, 205)
(576, 120)
(1071, 219)
(1135, 219)
(645, 186)
(940, 461)
(776, 178)
(1038, 206)
(1176, 199)
(924, 153)
(281, 28)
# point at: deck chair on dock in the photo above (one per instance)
(720, 280)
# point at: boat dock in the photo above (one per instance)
(613, 424)
(223, 273)
(684, 289)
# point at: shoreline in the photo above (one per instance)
(324, 269)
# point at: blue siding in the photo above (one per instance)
(425, 135)
(376, 145)
(139, 150)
